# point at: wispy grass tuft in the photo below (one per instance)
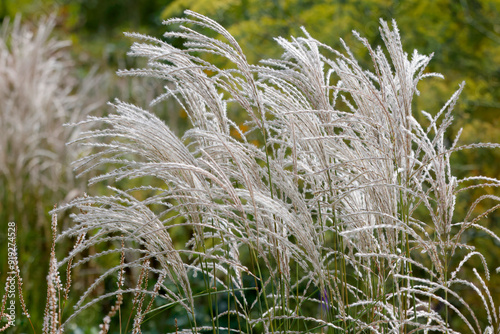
(331, 209)
(40, 90)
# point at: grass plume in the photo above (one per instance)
(330, 209)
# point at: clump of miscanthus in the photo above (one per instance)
(331, 209)
(40, 91)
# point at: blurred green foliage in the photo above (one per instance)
(464, 36)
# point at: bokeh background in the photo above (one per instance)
(463, 35)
